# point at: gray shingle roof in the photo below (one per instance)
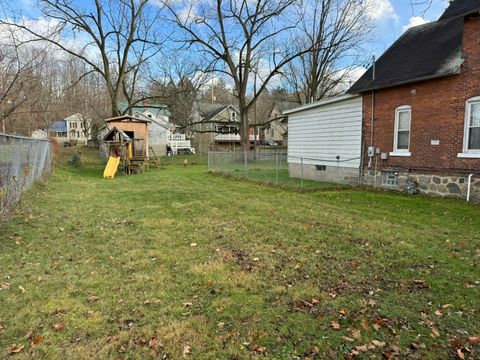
(423, 52)
(208, 110)
(461, 8)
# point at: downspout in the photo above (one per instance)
(469, 186)
(372, 114)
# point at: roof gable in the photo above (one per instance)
(423, 52)
(461, 8)
(208, 111)
(115, 134)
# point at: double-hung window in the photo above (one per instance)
(401, 140)
(471, 139)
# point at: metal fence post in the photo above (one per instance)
(225, 162)
(276, 167)
(301, 162)
(246, 163)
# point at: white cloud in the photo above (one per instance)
(415, 21)
(382, 10)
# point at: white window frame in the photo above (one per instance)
(396, 151)
(468, 153)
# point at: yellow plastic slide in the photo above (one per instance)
(111, 167)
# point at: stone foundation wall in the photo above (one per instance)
(436, 185)
(336, 174)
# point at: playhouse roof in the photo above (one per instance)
(110, 136)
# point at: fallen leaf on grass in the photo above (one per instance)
(347, 339)
(16, 238)
(186, 350)
(298, 266)
(446, 306)
(5, 286)
(438, 313)
(416, 346)
(355, 333)
(378, 343)
(36, 340)
(474, 340)
(193, 244)
(153, 342)
(14, 349)
(61, 229)
(460, 354)
(22, 289)
(335, 325)
(364, 324)
(29, 334)
(221, 325)
(361, 348)
(58, 326)
(92, 299)
(342, 312)
(434, 333)
(187, 304)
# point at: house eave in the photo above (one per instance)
(331, 100)
(406, 82)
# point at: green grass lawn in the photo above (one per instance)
(179, 263)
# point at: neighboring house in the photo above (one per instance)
(325, 140)
(215, 126)
(72, 128)
(160, 131)
(276, 128)
(39, 134)
(421, 107)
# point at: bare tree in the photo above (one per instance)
(335, 30)
(237, 35)
(116, 38)
(177, 82)
(18, 67)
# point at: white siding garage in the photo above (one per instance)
(326, 136)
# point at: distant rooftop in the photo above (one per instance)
(58, 126)
(209, 110)
(154, 108)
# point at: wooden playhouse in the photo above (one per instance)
(127, 138)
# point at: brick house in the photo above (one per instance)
(424, 130)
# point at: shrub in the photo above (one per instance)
(75, 160)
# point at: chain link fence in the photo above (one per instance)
(271, 166)
(22, 161)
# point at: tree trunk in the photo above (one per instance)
(244, 136)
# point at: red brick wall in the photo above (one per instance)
(438, 113)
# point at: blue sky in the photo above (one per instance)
(390, 17)
(394, 16)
